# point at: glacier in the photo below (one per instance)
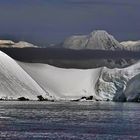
(68, 84)
(113, 82)
(29, 80)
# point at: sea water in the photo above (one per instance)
(35, 120)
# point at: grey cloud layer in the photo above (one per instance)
(42, 21)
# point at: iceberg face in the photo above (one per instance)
(15, 82)
(112, 82)
(116, 80)
(132, 91)
(105, 90)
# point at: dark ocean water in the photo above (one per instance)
(69, 121)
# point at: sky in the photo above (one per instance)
(51, 21)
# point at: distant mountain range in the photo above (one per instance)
(96, 40)
(99, 40)
(11, 44)
(86, 51)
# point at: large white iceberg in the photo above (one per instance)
(29, 80)
(101, 83)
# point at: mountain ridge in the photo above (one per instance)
(12, 44)
(96, 40)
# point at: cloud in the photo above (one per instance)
(53, 20)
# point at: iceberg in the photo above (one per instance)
(70, 84)
(29, 80)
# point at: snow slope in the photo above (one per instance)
(15, 82)
(66, 84)
(63, 83)
(97, 40)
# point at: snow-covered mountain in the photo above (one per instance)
(97, 40)
(29, 80)
(11, 44)
(131, 45)
(6, 42)
(23, 44)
